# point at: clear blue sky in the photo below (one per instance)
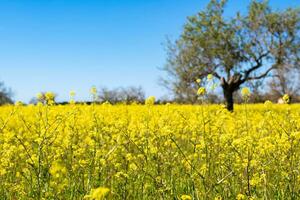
(63, 45)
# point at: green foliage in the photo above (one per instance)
(235, 50)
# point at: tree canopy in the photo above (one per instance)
(235, 50)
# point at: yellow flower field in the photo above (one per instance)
(150, 152)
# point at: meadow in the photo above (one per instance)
(150, 152)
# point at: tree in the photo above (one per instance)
(285, 81)
(124, 95)
(5, 95)
(132, 94)
(234, 50)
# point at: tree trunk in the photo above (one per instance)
(228, 96)
(229, 87)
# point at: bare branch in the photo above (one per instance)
(216, 75)
(259, 64)
(262, 75)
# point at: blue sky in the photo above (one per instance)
(63, 45)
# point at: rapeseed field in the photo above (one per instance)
(149, 151)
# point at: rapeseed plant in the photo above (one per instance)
(170, 151)
(150, 100)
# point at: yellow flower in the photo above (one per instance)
(106, 103)
(19, 103)
(218, 198)
(72, 101)
(39, 96)
(49, 96)
(201, 91)
(286, 98)
(150, 100)
(186, 197)
(245, 93)
(97, 194)
(241, 197)
(93, 90)
(198, 80)
(57, 170)
(209, 77)
(72, 93)
(268, 104)
(133, 167)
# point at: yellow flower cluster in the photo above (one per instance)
(286, 98)
(46, 98)
(97, 194)
(245, 92)
(209, 82)
(201, 91)
(149, 152)
(150, 100)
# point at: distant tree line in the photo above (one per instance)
(5, 94)
(125, 95)
(132, 94)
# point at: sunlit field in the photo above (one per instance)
(149, 152)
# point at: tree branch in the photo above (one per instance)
(262, 75)
(255, 67)
(216, 75)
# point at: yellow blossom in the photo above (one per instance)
(245, 93)
(268, 103)
(72, 93)
(201, 91)
(286, 98)
(39, 96)
(93, 90)
(97, 194)
(19, 103)
(186, 197)
(150, 100)
(241, 197)
(209, 77)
